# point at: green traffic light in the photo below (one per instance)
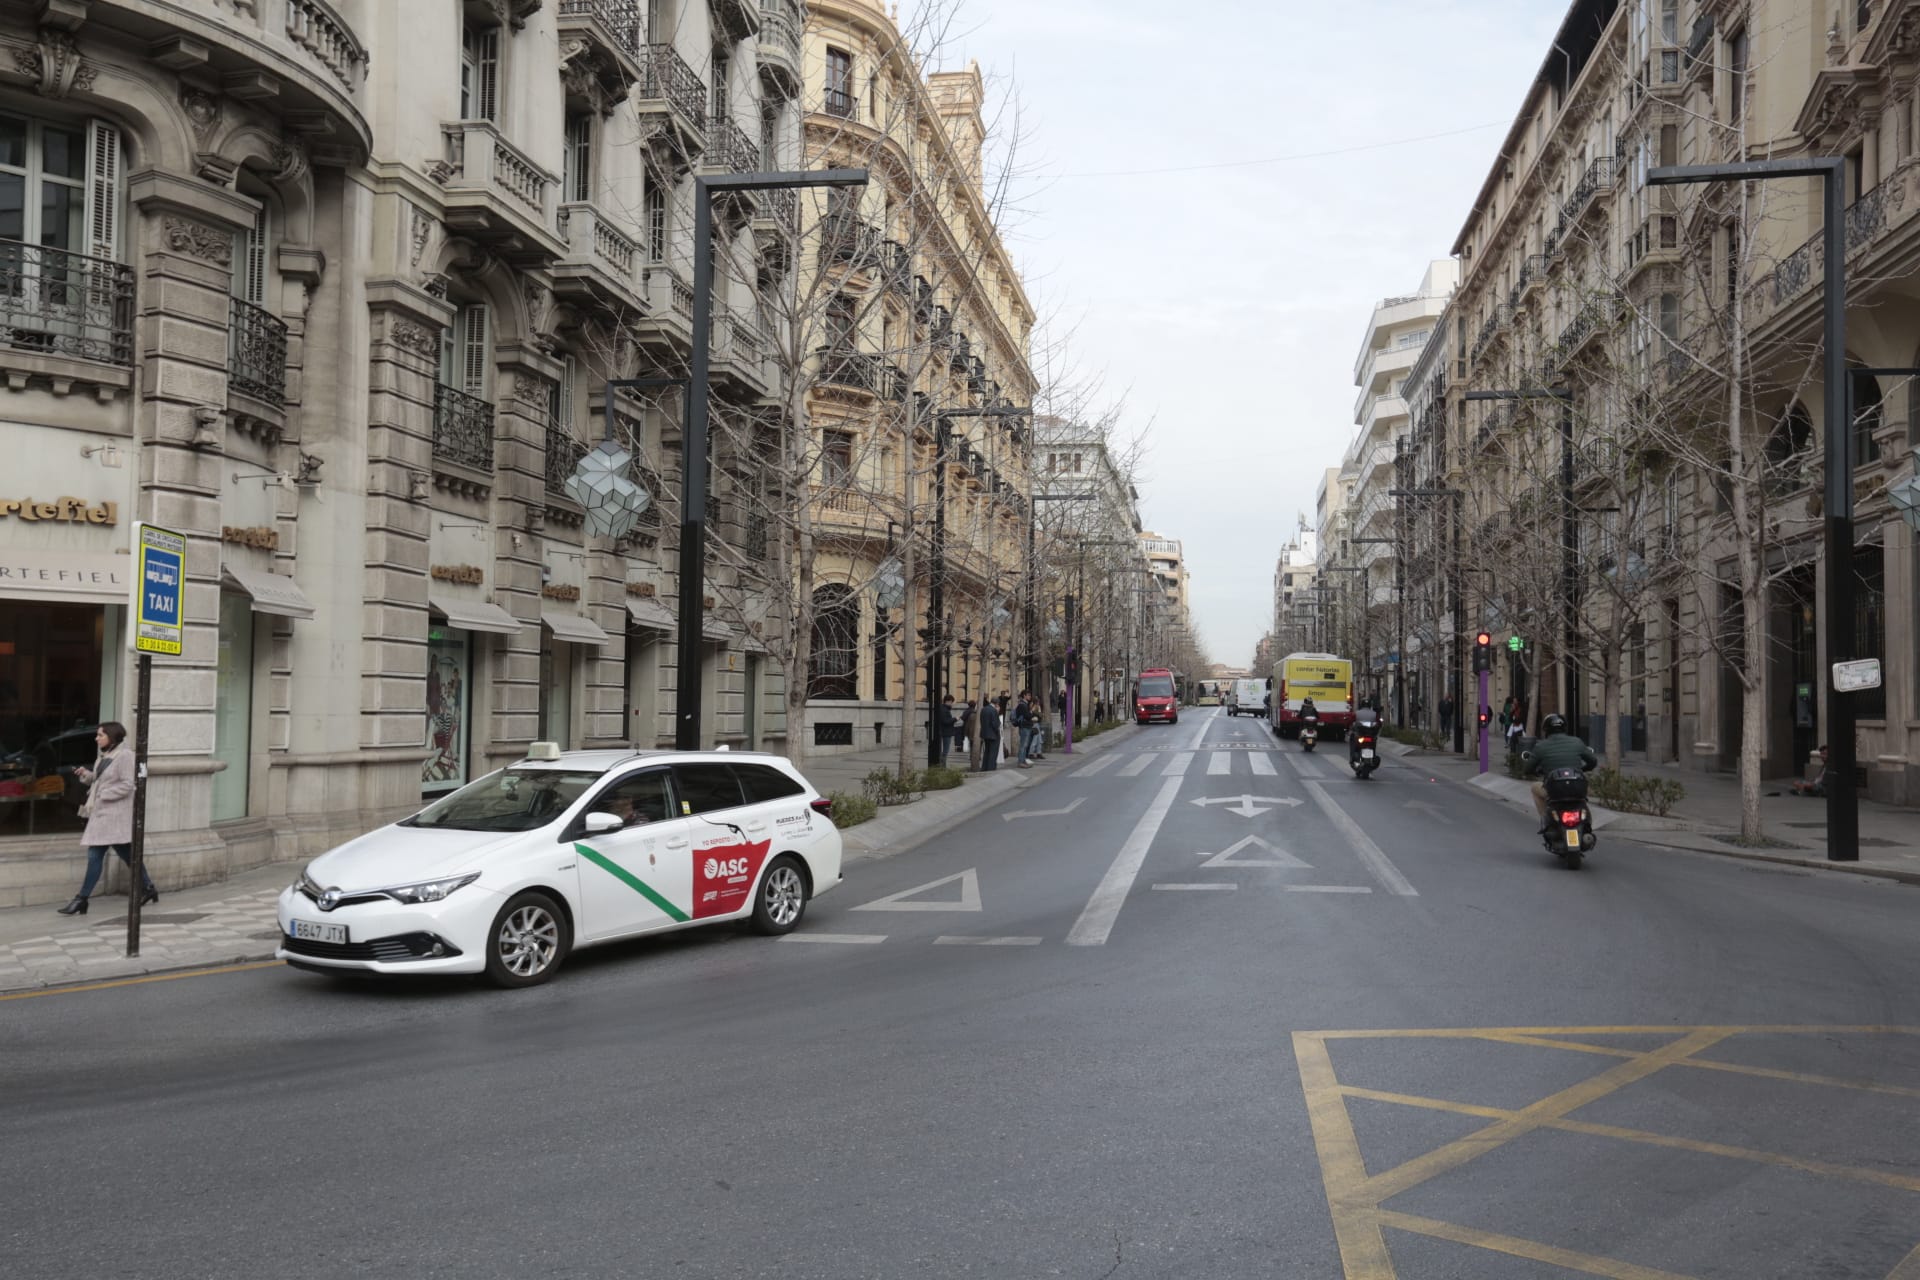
(1515, 644)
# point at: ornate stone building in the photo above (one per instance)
(334, 288)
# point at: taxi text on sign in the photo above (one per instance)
(161, 563)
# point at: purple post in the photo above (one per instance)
(1482, 718)
(1067, 722)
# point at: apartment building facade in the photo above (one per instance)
(1649, 306)
(1092, 579)
(334, 288)
(917, 395)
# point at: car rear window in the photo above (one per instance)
(704, 788)
(764, 782)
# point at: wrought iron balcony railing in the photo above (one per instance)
(729, 148)
(838, 102)
(667, 77)
(621, 18)
(65, 303)
(843, 367)
(563, 455)
(462, 428)
(1597, 178)
(256, 352)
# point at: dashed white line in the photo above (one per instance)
(1327, 888)
(1370, 853)
(849, 939)
(1212, 885)
(961, 940)
(1088, 770)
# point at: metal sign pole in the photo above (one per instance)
(142, 718)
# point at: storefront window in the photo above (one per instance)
(449, 657)
(52, 658)
(233, 710)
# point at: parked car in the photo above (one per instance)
(562, 850)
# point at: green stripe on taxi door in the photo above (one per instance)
(632, 881)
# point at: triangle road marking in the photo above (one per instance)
(1278, 857)
(908, 899)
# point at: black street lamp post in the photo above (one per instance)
(1843, 804)
(1459, 604)
(693, 450)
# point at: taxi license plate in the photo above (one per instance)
(313, 932)
(1573, 838)
(1366, 753)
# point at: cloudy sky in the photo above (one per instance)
(1223, 299)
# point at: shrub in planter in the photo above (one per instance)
(850, 810)
(941, 778)
(884, 786)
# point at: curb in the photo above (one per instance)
(938, 812)
(119, 976)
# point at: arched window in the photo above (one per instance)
(833, 664)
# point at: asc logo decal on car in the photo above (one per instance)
(723, 876)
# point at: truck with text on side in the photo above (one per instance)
(1324, 677)
(1153, 697)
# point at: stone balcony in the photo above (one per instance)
(602, 262)
(497, 195)
(779, 47)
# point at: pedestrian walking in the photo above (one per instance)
(947, 728)
(969, 729)
(1005, 706)
(1023, 725)
(1446, 714)
(989, 736)
(109, 813)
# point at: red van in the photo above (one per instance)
(1153, 697)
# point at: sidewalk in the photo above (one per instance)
(233, 921)
(1708, 819)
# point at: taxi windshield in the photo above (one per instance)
(510, 800)
(1156, 687)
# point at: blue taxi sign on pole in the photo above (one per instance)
(160, 572)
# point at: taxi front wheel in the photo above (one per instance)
(783, 897)
(528, 941)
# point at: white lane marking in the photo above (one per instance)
(1370, 853)
(1277, 857)
(1045, 813)
(1103, 908)
(852, 939)
(1213, 885)
(1177, 767)
(969, 896)
(1262, 764)
(1088, 770)
(1327, 888)
(1136, 766)
(1306, 766)
(960, 940)
(1219, 764)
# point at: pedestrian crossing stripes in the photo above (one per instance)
(1177, 767)
(1137, 766)
(1088, 770)
(1262, 764)
(1220, 764)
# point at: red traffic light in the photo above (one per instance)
(1485, 715)
(1483, 638)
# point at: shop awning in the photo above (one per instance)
(574, 629)
(72, 577)
(650, 615)
(272, 593)
(473, 615)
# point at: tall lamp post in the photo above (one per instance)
(693, 454)
(1843, 804)
(1459, 604)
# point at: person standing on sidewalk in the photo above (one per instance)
(1446, 714)
(970, 730)
(948, 728)
(1023, 725)
(109, 813)
(989, 736)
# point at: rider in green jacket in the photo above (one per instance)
(1557, 750)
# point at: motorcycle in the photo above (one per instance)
(1569, 830)
(1364, 758)
(1309, 731)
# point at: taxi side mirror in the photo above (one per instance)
(598, 824)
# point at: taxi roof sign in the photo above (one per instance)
(159, 581)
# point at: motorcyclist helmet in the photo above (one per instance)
(1553, 724)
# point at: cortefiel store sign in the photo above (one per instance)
(68, 510)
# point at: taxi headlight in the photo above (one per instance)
(431, 890)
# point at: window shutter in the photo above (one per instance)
(103, 189)
(487, 73)
(564, 418)
(450, 354)
(250, 261)
(579, 155)
(476, 352)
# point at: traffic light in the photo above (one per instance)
(1073, 669)
(1486, 714)
(1483, 652)
(1516, 644)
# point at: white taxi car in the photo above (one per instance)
(562, 850)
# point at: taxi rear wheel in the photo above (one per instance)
(528, 941)
(782, 899)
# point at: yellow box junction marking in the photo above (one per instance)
(1356, 1200)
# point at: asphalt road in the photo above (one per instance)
(1387, 1036)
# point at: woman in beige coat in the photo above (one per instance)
(109, 813)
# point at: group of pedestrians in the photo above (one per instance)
(1016, 727)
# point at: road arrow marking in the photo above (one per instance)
(1244, 805)
(1044, 813)
(969, 896)
(1279, 858)
(1431, 811)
